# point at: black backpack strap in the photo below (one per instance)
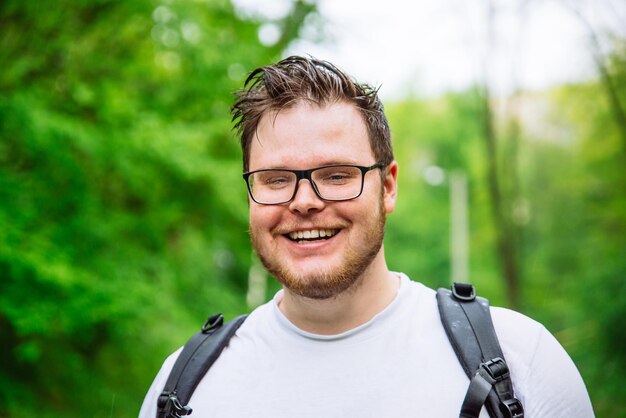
(469, 327)
(198, 355)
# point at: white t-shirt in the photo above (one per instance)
(399, 364)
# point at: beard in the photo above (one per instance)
(330, 282)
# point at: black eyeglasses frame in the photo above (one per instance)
(306, 175)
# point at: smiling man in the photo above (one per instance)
(346, 337)
(322, 238)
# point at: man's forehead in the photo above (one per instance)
(330, 133)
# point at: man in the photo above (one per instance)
(346, 337)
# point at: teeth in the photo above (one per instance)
(312, 234)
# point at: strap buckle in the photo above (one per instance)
(512, 408)
(494, 370)
(213, 323)
(171, 406)
(464, 291)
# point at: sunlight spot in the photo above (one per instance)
(191, 32)
(236, 71)
(433, 175)
(162, 14)
(269, 34)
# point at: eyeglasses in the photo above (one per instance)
(331, 182)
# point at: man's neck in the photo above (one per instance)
(375, 290)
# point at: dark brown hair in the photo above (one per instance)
(297, 79)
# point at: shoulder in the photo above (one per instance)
(149, 406)
(514, 328)
(520, 337)
(543, 374)
(148, 409)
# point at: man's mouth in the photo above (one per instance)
(312, 234)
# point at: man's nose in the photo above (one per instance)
(306, 200)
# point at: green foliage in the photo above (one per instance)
(121, 220)
(597, 239)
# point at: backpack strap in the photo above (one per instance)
(198, 355)
(469, 327)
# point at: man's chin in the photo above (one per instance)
(318, 284)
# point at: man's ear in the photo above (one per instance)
(390, 187)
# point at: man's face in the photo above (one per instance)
(317, 265)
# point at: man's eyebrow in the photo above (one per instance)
(285, 167)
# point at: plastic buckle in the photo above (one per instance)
(512, 408)
(172, 407)
(464, 291)
(494, 370)
(213, 323)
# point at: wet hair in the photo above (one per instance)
(298, 79)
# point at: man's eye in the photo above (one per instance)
(276, 181)
(337, 178)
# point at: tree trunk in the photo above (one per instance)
(505, 236)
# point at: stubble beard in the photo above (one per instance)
(332, 282)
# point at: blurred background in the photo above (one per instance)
(123, 215)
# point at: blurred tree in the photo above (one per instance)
(610, 66)
(121, 220)
(500, 198)
(598, 240)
